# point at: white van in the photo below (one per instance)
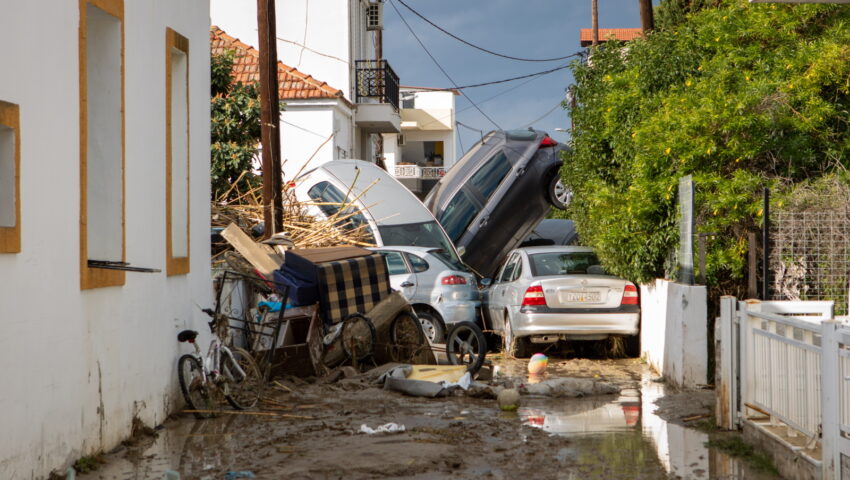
(393, 214)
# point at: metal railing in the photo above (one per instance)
(415, 171)
(376, 80)
(788, 361)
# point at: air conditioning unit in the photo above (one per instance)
(375, 16)
(400, 140)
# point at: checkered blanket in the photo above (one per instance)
(352, 285)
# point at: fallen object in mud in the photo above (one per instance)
(537, 364)
(426, 380)
(508, 399)
(385, 428)
(569, 387)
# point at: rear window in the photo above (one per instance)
(488, 177)
(458, 215)
(425, 234)
(573, 263)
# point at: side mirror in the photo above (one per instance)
(486, 282)
(461, 251)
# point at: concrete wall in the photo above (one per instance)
(673, 331)
(81, 364)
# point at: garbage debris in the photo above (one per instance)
(235, 475)
(385, 428)
(569, 387)
(537, 364)
(508, 399)
(426, 380)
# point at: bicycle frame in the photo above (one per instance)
(213, 359)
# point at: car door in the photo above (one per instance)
(402, 277)
(514, 287)
(497, 303)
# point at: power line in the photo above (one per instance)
(545, 114)
(438, 64)
(482, 48)
(475, 85)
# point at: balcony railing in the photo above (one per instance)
(415, 171)
(376, 80)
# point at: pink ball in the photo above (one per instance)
(538, 363)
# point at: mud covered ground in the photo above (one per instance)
(309, 430)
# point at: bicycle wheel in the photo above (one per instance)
(465, 345)
(195, 391)
(358, 337)
(406, 336)
(242, 391)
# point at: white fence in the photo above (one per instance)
(789, 361)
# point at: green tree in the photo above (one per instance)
(235, 128)
(739, 95)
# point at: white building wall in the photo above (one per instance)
(308, 130)
(82, 364)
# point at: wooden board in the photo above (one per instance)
(259, 256)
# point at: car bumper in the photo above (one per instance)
(618, 323)
(460, 311)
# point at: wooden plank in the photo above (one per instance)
(257, 255)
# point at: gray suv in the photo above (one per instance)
(493, 197)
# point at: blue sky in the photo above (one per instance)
(529, 29)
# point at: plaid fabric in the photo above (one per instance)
(352, 285)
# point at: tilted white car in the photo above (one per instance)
(545, 294)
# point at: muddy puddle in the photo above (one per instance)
(314, 436)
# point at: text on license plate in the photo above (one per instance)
(582, 297)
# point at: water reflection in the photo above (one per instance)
(621, 437)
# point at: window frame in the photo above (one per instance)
(98, 277)
(386, 253)
(175, 265)
(10, 237)
(412, 259)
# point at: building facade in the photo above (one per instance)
(104, 165)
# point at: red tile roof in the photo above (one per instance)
(605, 34)
(292, 84)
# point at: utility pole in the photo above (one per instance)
(270, 118)
(594, 22)
(647, 23)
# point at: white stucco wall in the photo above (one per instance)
(82, 364)
(673, 331)
(306, 130)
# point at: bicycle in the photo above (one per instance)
(231, 373)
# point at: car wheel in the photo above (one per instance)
(513, 347)
(432, 326)
(559, 194)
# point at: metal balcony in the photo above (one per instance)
(376, 82)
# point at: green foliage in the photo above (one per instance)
(87, 464)
(235, 128)
(739, 95)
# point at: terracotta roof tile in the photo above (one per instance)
(605, 34)
(292, 84)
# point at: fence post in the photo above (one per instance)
(830, 384)
(745, 345)
(727, 411)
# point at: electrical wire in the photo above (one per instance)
(438, 64)
(482, 48)
(494, 82)
(545, 114)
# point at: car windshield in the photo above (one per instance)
(560, 263)
(425, 234)
(331, 201)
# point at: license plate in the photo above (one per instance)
(589, 297)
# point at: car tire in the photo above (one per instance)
(633, 346)
(513, 347)
(558, 193)
(432, 326)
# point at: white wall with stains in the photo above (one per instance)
(80, 365)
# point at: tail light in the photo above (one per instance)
(548, 142)
(453, 280)
(630, 295)
(533, 297)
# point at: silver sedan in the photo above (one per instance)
(544, 294)
(441, 290)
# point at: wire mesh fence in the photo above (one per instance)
(810, 256)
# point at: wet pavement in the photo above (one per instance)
(311, 434)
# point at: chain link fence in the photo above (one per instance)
(810, 255)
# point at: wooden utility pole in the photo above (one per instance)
(270, 118)
(594, 22)
(647, 23)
